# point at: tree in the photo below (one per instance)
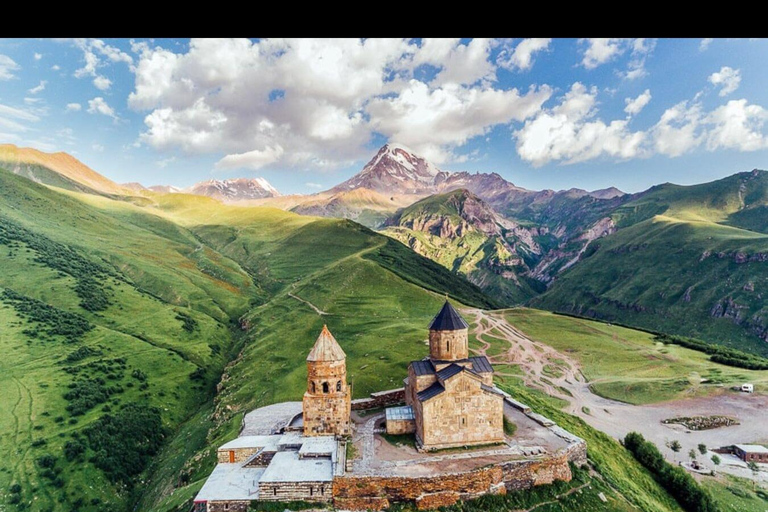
(702, 448)
(692, 454)
(675, 446)
(716, 460)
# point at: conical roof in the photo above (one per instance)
(448, 319)
(326, 348)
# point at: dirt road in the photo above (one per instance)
(559, 375)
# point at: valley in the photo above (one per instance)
(175, 314)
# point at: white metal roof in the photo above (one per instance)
(320, 445)
(400, 413)
(231, 482)
(269, 442)
(752, 448)
(288, 467)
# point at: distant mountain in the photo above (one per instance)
(56, 169)
(463, 233)
(239, 189)
(165, 189)
(607, 193)
(362, 205)
(394, 170)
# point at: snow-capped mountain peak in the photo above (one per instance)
(237, 189)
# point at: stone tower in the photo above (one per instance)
(448, 333)
(327, 399)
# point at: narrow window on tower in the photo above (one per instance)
(313, 387)
(325, 387)
(338, 386)
(447, 346)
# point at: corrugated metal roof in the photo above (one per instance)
(423, 367)
(448, 319)
(431, 392)
(752, 448)
(449, 371)
(288, 467)
(326, 348)
(481, 364)
(400, 413)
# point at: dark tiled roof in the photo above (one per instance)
(449, 371)
(481, 364)
(448, 319)
(431, 392)
(423, 367)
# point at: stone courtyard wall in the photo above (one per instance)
(381, 399)
(429, 492)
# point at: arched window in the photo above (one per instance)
(325, 387)
(338, 386)
(313, 387)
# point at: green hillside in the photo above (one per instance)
(118, 320)
(463, 234)
(686, 260)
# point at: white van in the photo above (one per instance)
(748, 388)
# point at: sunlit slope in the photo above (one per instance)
(685, 261)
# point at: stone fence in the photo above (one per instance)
(386, 398)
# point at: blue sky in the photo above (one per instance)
(307, 114)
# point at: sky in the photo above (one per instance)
(307, 114)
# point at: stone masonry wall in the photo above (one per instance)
(398, 427)
(380, 399)
(292, 491)
(448, 345)
(376, 493)
(241, 454)
(228, 506)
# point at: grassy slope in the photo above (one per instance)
(185, 255)
(676, 240)
(473, 254)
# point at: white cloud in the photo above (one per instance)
(102, 83)
(165, 162)
(74, 107)
(99, 106)
(522, 56)
(314, 185)
(38, 88)
(570, 132)
(677, 131)
(316, 103)
(32, 101)
(635, 105)
(98, 147)
(55, 67)
(737, 125)
(704, 44)
(98, 54)
(727, 78)
(433, 121)
(38, 56)
(17, 113)
(7, 67)
(602, 50)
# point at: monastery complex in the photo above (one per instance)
(329, 448)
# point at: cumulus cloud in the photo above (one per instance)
(677, 131)
(55, 67)
(571, 133)
(728, 79)
(73, 107)
(317, 103)
(38, 88)
(737, 125)
(704, 44)
(38, 56)
(98, 54)
(99, 106)
(7, 67)
(102, 83)
(599, 51)
(635, 105)
(522, 56)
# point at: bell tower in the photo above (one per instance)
(327, 400)
(448, 335)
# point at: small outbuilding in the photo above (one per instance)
(400, 420)
(748, 388)
(751, 452)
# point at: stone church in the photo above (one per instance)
(451, 396)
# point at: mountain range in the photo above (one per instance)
(685, 260)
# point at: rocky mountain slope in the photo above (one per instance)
(688, 260)
(239, 189)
